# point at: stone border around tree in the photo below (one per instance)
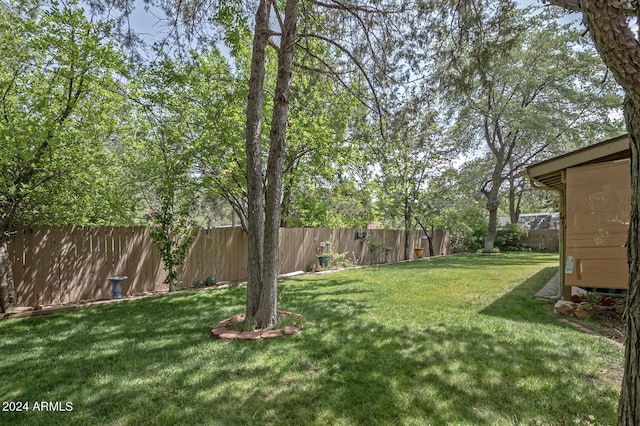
(220, 331)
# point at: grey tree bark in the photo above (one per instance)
(493, 202)
(428, 235)
(7, 288)
(607, 24)
(264, 202)
(255, 195)
(629, 402)
(267, 312)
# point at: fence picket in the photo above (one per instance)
(17, 247)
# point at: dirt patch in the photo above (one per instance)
(603, 314)
(611, 323)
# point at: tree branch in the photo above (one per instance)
(336, 75)
(363, 71)
(337, 5)
(630, 8)
(572, 5)
(278, 15)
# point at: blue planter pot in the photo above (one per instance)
(324, 260)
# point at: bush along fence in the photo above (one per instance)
(70, 264)
(546, 240)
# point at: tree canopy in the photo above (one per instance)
(57, 78)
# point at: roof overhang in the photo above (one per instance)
(548, 173)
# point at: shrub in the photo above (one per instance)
(341, 260)
(468, 237)
(510, 236)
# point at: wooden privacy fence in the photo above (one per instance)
(66, 264)
(542, 240)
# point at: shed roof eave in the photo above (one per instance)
(550, 182)
(612, 149)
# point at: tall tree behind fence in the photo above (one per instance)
(65, 264)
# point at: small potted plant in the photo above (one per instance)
(323, 251)
(419, 251)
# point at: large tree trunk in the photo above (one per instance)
(8, 297)
(285, 207)
(492, 228)
(493, 202)
(267, 313)
(428, 235)
(255, 194)
(629, 403)
(607, 22)
(501, 152)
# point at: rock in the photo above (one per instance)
(217, 331)
(249, 335)
(290, 329)
(565, 307)
(271, 333)
(582, 312)
(228, 334)
(238, 318)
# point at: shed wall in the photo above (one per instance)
(597, 219)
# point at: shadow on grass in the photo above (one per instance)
(520, 304)
(152, 362)
(372, 373)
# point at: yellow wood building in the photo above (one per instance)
(594, 187)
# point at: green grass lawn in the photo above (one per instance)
(458, 340)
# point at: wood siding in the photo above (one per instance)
(597, 218)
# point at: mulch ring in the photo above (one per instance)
(231, 328)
